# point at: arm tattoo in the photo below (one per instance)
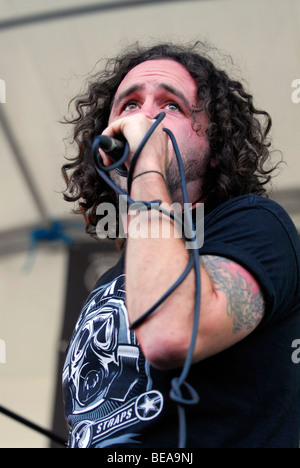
(245, 305)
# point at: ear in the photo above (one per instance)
(212, 163)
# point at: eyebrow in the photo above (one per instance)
(132, 89)
(139, 87)
(177, 93)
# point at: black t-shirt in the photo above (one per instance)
(249, 393)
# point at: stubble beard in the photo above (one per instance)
(195, 168)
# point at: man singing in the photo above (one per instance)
(117, 378)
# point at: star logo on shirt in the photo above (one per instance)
(149, 405)
(82, 434)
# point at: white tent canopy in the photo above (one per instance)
(45, 60)
(47, 50)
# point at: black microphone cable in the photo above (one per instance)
(45, 432)
(179, 383)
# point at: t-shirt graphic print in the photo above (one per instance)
(107, 384)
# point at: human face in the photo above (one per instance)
(164, 85)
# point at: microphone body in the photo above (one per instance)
(112, 147)
(116, 149)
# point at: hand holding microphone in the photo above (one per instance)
(117, 150)
(113, 147)
(137, 130)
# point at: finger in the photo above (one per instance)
(106, 161)
(115, 128)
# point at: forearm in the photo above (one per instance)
(154, 261)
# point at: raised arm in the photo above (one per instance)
(231, 301)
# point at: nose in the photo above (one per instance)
(149, 108)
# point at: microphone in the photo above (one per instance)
(112, 147)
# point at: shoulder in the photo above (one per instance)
(249, 203)
(258, 234)
(253, 222)
(111, 274)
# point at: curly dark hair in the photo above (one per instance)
(237, 133)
